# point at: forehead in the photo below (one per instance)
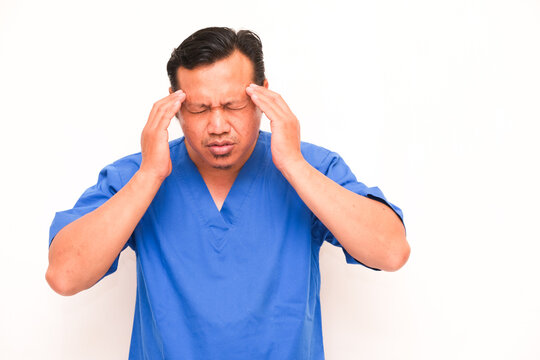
(222, 81)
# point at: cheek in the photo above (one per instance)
(192, 130)
(248, 119)
(192, 124)
(242, 125)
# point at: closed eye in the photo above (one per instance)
(236, 107)
(197, 112)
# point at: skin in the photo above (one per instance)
(369, 230)
(83, 250)
(217, 108)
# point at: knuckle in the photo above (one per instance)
(146, 132)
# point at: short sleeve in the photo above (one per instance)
(335, 168)
(109, 182)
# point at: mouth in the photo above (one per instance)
(220, 147)
(220, 143)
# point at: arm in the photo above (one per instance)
(369, 230)
(366, 228)
(83, 250)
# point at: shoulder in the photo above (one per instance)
(128, 165)
(315, 155)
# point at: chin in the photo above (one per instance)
(220, 161)
(222, 167)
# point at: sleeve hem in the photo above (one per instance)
(351, 260)
(381, 200)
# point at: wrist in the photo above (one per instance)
(293, 167)
(148, 179)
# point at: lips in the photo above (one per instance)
(222, 143)
(220, 147)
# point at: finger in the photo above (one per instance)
(155, 108)
(166, 111)
(262, 91)
(268, 106)
(160, 112)
(153, 119)
(170, 111)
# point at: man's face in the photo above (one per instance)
(217, 109)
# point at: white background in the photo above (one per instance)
(437, 103)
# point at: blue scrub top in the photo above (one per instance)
(240, 283)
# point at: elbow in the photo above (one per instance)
(58, 284)
(56, 273)
(399, 257)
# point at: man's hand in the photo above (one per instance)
(156, 157)
(367, 229)
(285, 127)
(83, 250)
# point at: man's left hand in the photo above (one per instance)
(285, 127)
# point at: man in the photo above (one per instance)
(226, 221)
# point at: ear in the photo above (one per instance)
(170, 90)
(265, 83)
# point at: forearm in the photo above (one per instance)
(83, 251)
(369, 230)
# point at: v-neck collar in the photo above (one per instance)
(220, 222)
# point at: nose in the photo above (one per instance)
(218, 123)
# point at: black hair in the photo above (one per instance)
(211, 44)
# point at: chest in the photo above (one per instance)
(259, 246)
(218, 193)
(197, 219)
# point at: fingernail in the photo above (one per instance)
(179, 92)
(253, 85)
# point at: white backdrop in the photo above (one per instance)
(437, 103)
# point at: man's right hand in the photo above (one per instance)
(83, 250)
(156, 158)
